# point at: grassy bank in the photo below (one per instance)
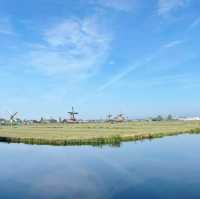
(94, 134)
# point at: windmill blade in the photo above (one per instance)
(15, 114)
(9, 113)
(12, 115)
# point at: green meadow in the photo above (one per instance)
(94, 133)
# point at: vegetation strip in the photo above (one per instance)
(97, 141)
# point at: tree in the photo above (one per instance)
(158, 118)
(169, 117)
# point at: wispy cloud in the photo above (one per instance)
(120, 5)
(116, 78)
(148, 59)
(173, 43)
(167, 6)
(6, 27)
(72, 46)
(195, 23)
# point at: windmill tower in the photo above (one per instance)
(109, 118)
(72, 115)
(12, 118)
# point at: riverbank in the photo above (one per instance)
(94, 133)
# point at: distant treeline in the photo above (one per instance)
(161, 118)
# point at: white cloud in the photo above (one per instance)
(173, 43)
(118, 77)
(5, 27)
(121, 5)
(148, 59)
(195, 23)
(167, 6)
(71, 47)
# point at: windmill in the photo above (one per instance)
(72, 115)
(120, 118)
(109, 118)
(12, 117)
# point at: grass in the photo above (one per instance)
(94, 133)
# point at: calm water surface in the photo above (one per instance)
(163, 168)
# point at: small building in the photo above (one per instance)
(3, 121)
(189, 119)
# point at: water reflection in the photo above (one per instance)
(161, 168)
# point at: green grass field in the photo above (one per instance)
(94, 133)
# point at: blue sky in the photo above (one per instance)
(137, 57)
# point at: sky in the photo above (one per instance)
(136, 57)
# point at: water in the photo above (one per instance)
(167, 168)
